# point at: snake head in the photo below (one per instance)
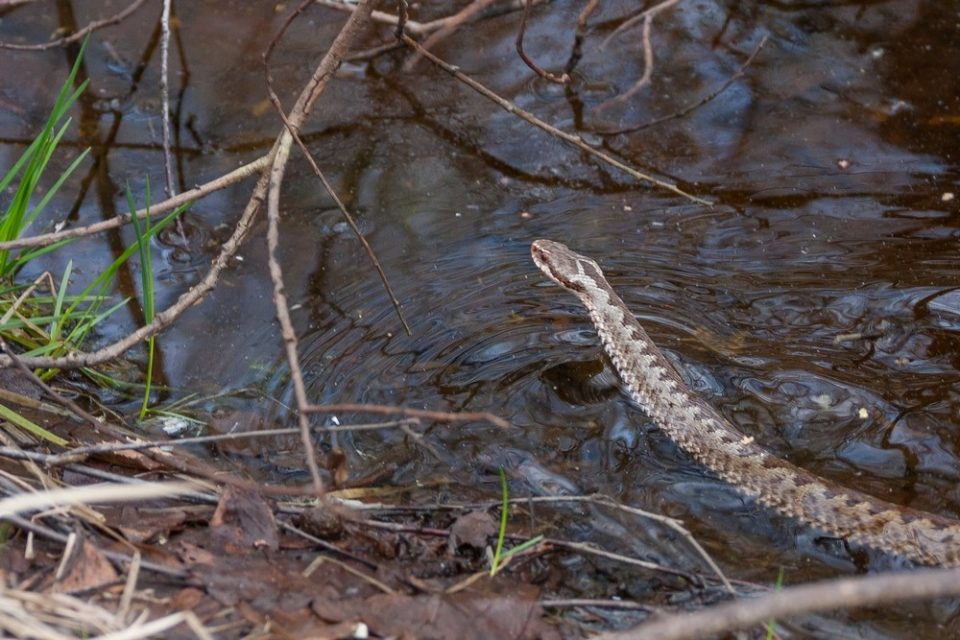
(565, 267)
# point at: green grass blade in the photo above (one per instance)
(33, 254)
(523, 546)
(103, 281)
(56, 327)
(87, 321)
(502, 534)
(27, 425)
(146, 282)
(771, 623)
(31, 166)
(31, 216)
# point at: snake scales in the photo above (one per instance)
(712, 440)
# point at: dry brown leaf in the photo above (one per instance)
(89, 569)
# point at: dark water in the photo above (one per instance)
(815, 303)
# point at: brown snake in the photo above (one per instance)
(712, 440)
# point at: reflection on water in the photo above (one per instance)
(815, 304)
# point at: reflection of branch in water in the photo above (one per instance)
(78, 35)
(581, 34)
(420, 29)
(295, 132)
(696, 105)
(452, 24)
(569, 138)
(647, 17)
(546, 75)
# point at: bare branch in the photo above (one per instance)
(224, 181)
(311, 92)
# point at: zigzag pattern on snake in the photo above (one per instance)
(701, 431)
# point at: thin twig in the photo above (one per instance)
(129, 588)
(674, 524)
(381, 409)
(80, 453)
(224, 181)
(321, 76)
(323, 544)
(166, 317)
(165, 98)
(569, 138)
(98, 425)
(312, 567)
(593, 550)
(576, 52)
(827, 595)
(275, 100)
(420, 29)
(27, 525)
(171, 190)
(599, 603)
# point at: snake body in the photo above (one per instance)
(701, 431)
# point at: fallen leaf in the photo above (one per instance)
(89, 569)
(473, 529)
(243, 520)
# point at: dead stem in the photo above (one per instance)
(79, 453)
(164, 318)
(98, 425)
(421, 29)
(275, 100)
(323, 544)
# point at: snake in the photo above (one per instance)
(712, 440)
